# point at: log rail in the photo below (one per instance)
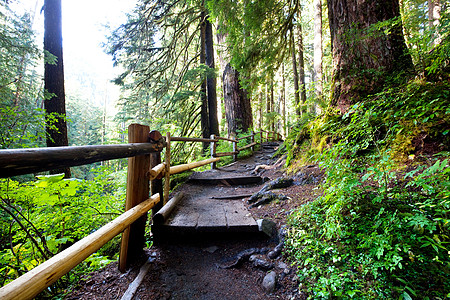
(145, 171)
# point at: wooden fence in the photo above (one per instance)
(145, 173)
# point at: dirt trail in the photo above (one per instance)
(193, 267)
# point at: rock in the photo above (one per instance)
(211, 249)
(282, 234)
(267, 197)
(267, 226)
(269, 282)
(240, 258)
(274, 184)
(276, 251)
(303, 178)
(283, 266)
(260, 262)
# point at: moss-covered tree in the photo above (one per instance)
(368, 48)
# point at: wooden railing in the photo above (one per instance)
(145, 172)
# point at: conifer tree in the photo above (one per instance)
(55, 104)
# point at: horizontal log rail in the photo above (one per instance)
(245, 137)
(41, 277)
(185, 167)
(221, 154)
(247, 146)
(156, 171)
(25, 161)
(184, 139)
(226, 139)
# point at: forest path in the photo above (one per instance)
(206, 265)
(214, 200)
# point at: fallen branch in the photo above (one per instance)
(132, 288)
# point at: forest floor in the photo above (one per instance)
(216, 267)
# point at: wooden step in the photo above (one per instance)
(222, 177)
(204, 215)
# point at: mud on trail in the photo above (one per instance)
(218, 266)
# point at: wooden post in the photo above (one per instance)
(156, 185)
(133, 238)
(235, 149)
(167, 174)
(213, 150)
(252, 140)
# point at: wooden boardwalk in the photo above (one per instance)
(215, 200)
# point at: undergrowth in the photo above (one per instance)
(381, 228)
(43, 217)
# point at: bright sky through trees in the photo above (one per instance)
(88, 70)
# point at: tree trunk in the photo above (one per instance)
(272, 105)
(318, 49)
(54, 104)
(238, 110)
(363, 59)
(434, 16)
(301, 62)
(295, 72)
(260, 109)
(211, 80)
(204, 115)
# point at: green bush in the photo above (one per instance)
(44, 217)
(381, 227)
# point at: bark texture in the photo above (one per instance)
(55, 103)
(301, 61)
(295, 75)
(318, 49)
(434, 17)
(364, 57)
(211, 81)
(238, 110)
(204, 114)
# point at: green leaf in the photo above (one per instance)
(46, 180)
(405, 296)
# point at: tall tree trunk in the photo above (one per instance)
(55, 104)
(238, 109)
(318, 49)
(295, 72)
(260, 108)
(364, 60)
(272, 105)
(434, 17)
(211, 80)
(301, 61)
(204, 115)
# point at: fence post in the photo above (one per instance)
(235, 149)
(253, 140)
(167, 173)
(133, 238)
(213, 150)
(156, 185)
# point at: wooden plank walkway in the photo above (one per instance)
(206, 207)
(202, 214)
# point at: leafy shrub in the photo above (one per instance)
(381, 228)
(375, 233)
(44, 217)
